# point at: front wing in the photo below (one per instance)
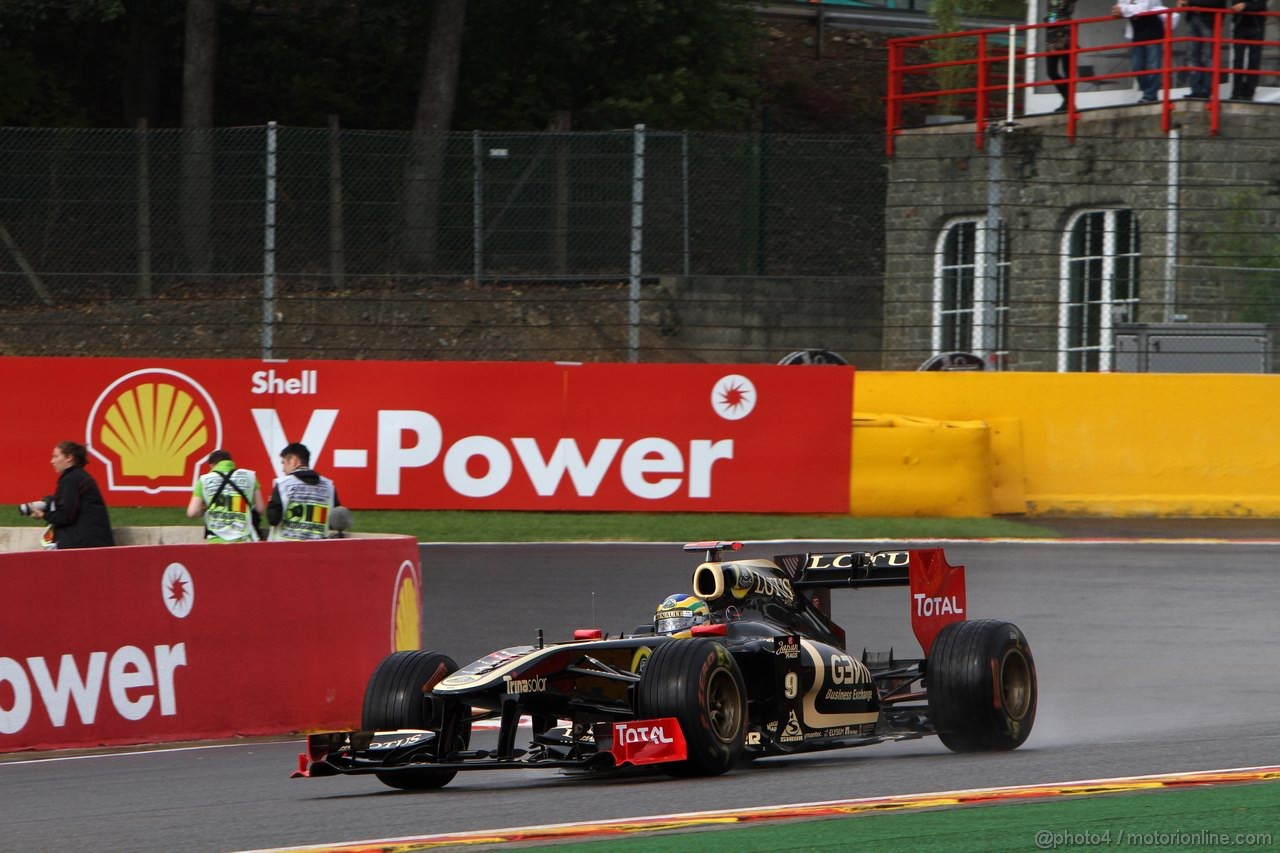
(631, 742)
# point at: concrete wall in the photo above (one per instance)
(1090, 444)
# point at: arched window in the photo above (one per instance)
(970, 300)
(1100, 255)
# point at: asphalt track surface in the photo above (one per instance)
(1152, 658)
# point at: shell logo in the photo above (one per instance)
(406, 610)
(151, 429)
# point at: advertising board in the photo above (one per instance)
(179, 642)
(445, 435)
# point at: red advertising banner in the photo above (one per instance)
(445, 435)
(176, 642)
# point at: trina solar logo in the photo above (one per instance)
(152, 428)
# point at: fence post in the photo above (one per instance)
(684, 199)
(560, 126)
(269, 247)
(637, 237)
(477, 207)
(1172, 213)
(1010, 95)
(337, 236)
(762, 195)
(892, 108)
(986, 300)
(144, 211)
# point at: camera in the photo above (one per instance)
(25, 509)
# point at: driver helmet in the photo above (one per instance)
(679, 613)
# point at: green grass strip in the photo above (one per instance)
(1238, 816)
(493, 526)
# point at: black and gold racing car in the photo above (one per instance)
(768, 674)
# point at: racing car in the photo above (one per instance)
(763, 672)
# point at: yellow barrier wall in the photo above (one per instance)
(919, 466)
(1113, 444)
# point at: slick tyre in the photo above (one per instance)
(981, 682)
(698, 682)
(396, 698)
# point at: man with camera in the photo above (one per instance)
(230, 499)
(76, 512)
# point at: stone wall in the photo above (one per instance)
(762, 319)
(1120, 159)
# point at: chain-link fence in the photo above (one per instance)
(1124, 250)
(350, 244)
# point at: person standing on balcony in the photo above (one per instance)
(1200, 53)
(1145, 28)
(1058, 38)
(1247, 56)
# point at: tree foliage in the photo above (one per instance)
(948, 17)
(610, 63)
(43, 80)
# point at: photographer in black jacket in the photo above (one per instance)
(76, 512)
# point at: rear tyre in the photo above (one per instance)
(698, 682)
(981, 681)
(397, 698)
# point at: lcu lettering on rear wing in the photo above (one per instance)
(937, 588)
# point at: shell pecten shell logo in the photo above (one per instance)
(406, 610)
(151, 429)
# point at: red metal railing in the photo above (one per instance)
(991, 70)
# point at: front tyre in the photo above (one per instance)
(981, 682)
(698, 682)
(397, 698)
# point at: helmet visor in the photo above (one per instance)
(673, 621)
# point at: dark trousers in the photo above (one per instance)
(1056, 66)
(1246, 56)
(1147, 56)
(1200, 53)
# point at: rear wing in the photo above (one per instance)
(937, 588)
(846, 569)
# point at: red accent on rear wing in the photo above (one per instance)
(937, 594)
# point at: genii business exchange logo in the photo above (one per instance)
(151, 429)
